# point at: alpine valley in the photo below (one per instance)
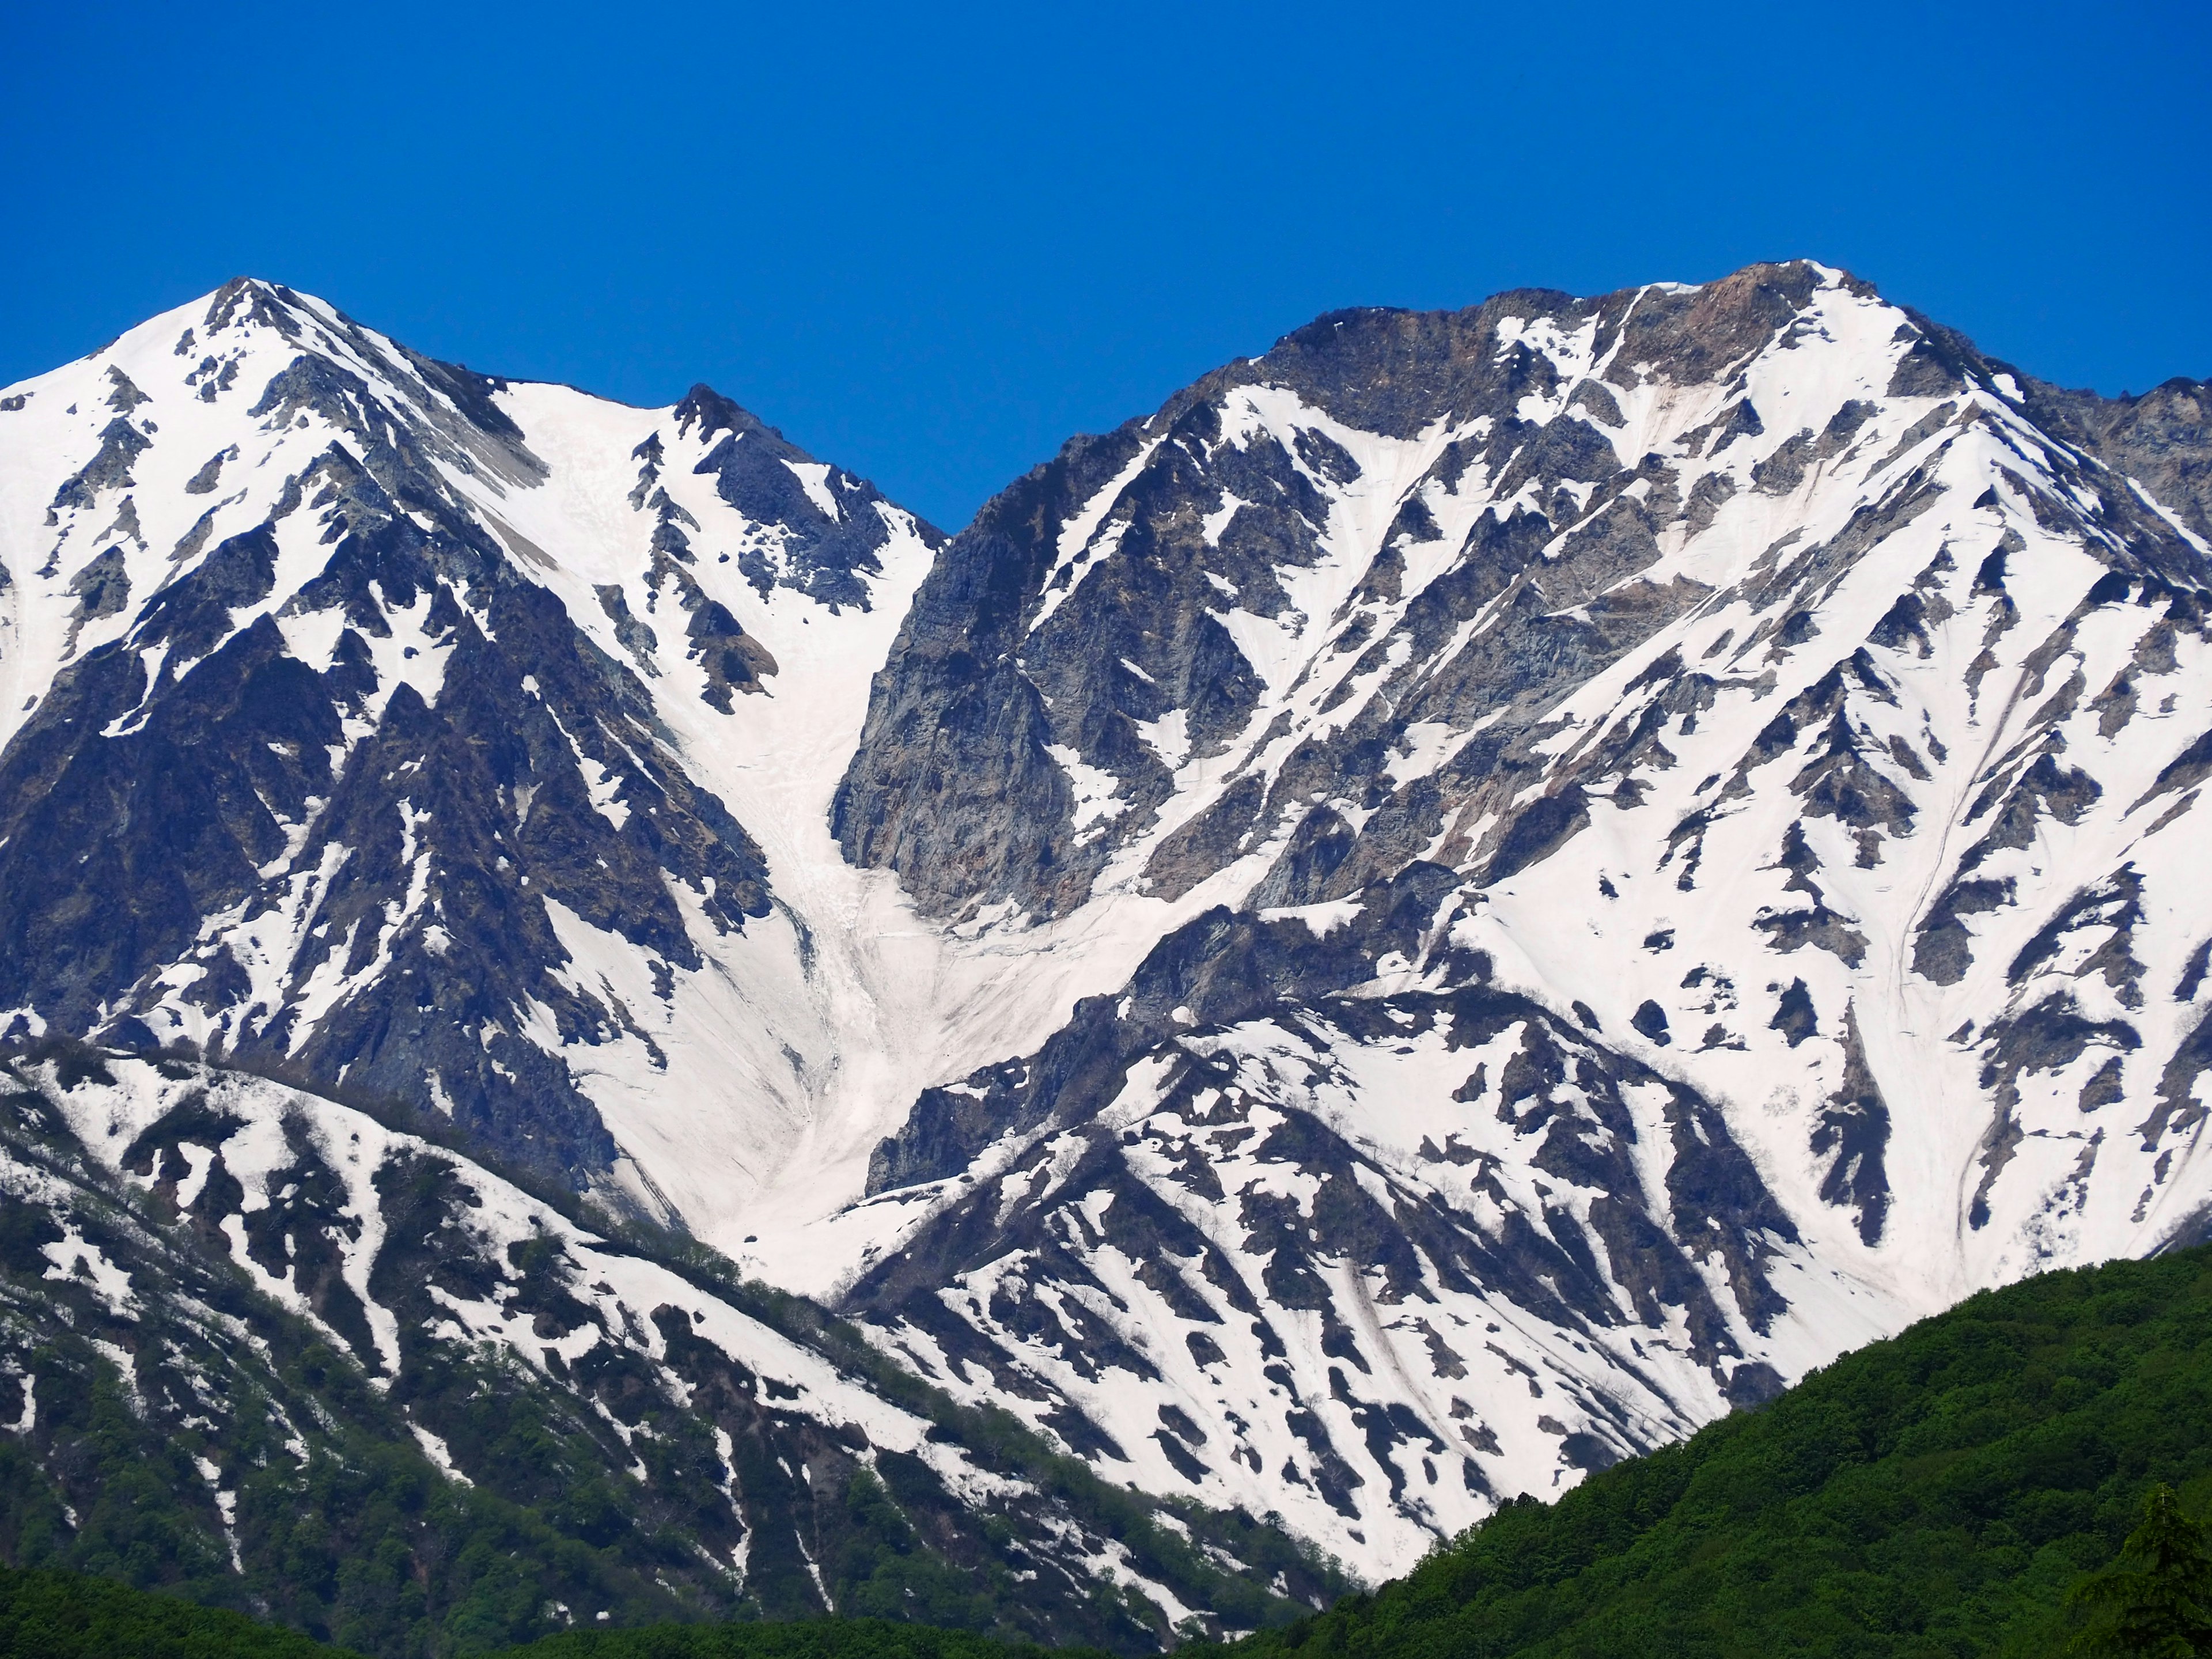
(631, 1031)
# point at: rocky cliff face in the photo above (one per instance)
(1471, 893)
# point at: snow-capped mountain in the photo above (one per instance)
(1700, 785)
(471, 744)
(1475, 890)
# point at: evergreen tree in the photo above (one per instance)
(2154, 1599)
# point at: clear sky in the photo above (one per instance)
(931, 241)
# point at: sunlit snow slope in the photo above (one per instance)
(472, 743)
(1475, 890)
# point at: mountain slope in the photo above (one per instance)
(1699, 786)
(1938, 1492)
(259, 1347)
(1472, 893)
(301, 763)
(472, 743)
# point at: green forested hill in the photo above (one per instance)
(68, 1615)
(1936, 1494)
(806, 1638)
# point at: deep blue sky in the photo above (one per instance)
(930, 242)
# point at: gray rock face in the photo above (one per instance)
(1087, 603)
(831, 531)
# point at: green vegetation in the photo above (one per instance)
(2153, 1602)
(806, 1638)
(66, 1615)
(1939, 1494)
(367, 1546)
